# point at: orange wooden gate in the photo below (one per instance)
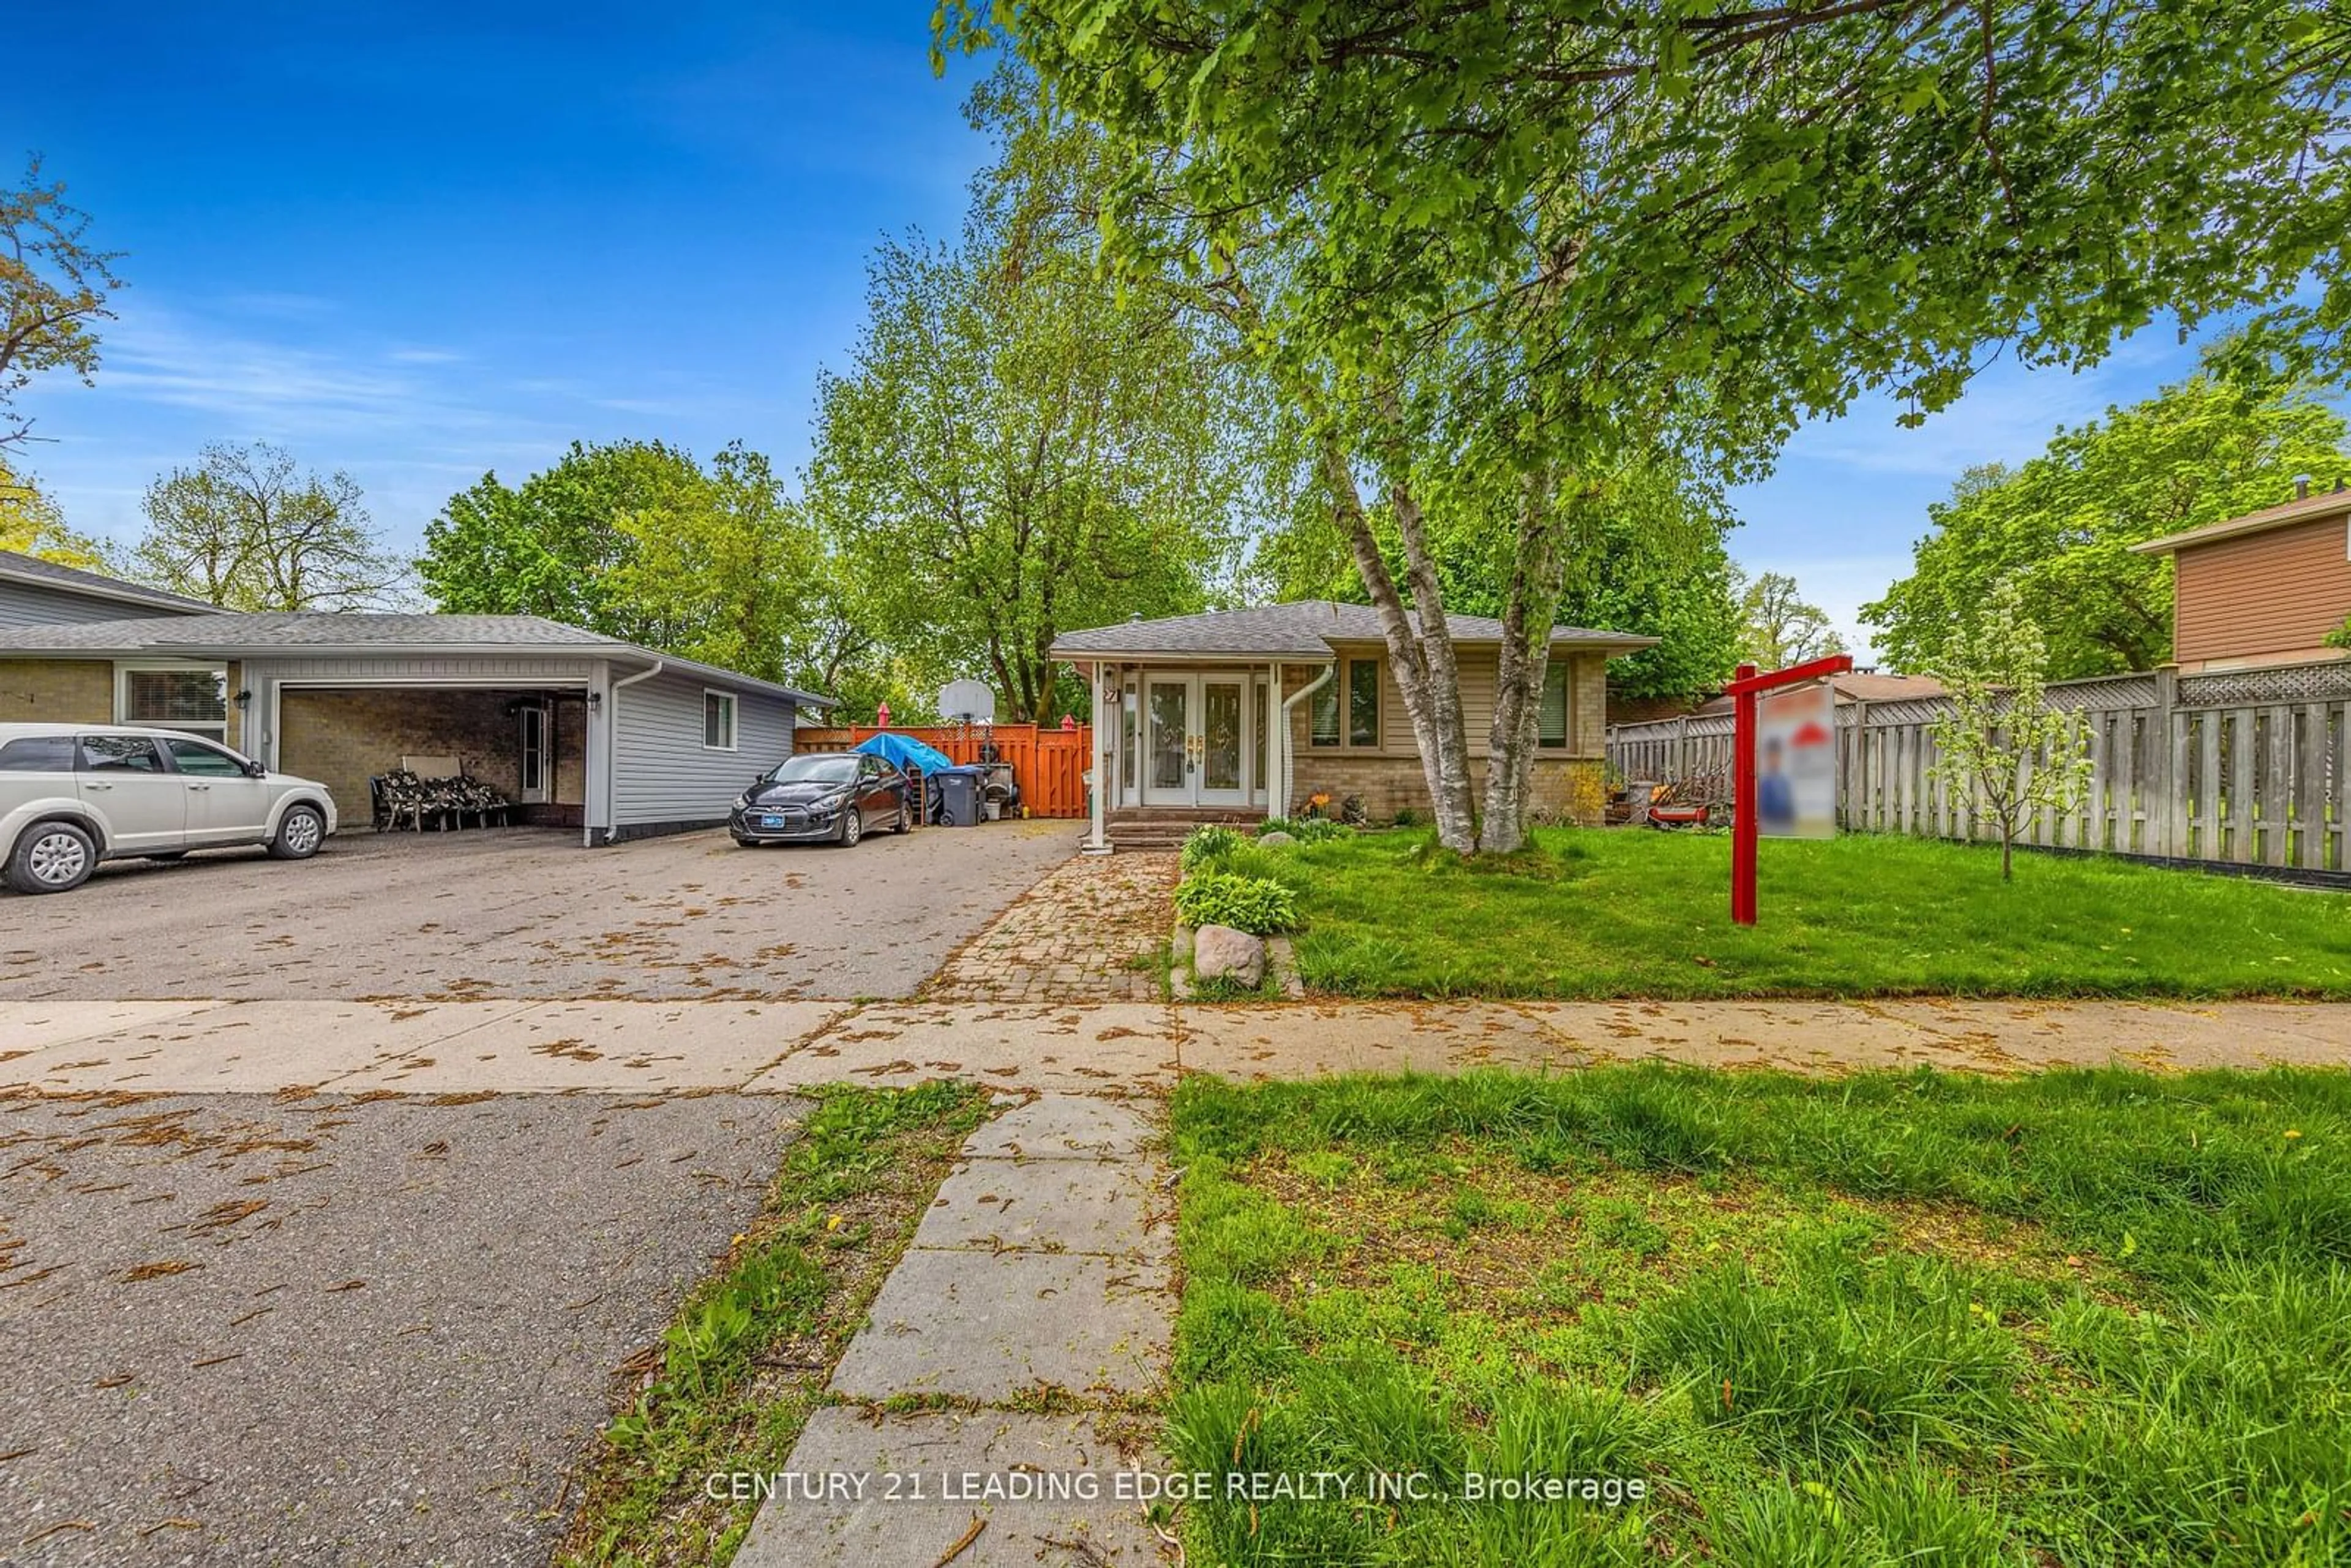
(1049, 764)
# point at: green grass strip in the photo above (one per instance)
(747, 1356)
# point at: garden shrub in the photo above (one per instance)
(1207, 845)
(1249, 903)
(1305, 829)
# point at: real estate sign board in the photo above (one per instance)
(1795, 762)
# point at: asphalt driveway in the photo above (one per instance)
(524, 913)
(338, 1330)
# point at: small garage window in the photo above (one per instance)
(175, 696)
(719, 721)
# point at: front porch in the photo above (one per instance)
(1164, 827)
(1187, 744)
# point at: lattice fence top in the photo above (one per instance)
(1911, 710)
(2105, 692)
(2328, 682)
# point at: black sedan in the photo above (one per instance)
(823, 797)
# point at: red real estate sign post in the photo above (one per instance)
(1744, 688)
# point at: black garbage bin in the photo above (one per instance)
(959, 796)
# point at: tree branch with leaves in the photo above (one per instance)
(54, 287)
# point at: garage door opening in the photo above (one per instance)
(528, 744)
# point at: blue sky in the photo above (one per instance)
(419, 243)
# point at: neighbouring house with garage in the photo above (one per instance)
(2261, 590)
(1249, 713)
(580, 730)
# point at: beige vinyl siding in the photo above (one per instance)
(2261, 595)
(1586, 705)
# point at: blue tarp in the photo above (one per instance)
(906, 751)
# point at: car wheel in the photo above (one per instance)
(852, 824)
(905, 817)
(51, 857)
(299, 833)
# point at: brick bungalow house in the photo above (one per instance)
(2261, 590)
(1234, 712)
(582, 730)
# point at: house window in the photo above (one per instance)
(1553, 731)
(180, 697)
(718, 721)
(1363, 702)
(1323, 717)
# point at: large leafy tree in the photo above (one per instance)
(2059, 526)
(245, 529)
(1650, 561)
(1778, 626)
(556, 544)
(1018, 445)
(723, 573)
(30, 524)
(637, 541)
(54, 287)
(1516, 231)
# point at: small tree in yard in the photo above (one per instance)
(2002, 743)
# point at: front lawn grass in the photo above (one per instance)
(748, 1354)
(2084, 1318)
(1630, 913)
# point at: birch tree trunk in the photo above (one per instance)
(1432, 702)
(1528, 612)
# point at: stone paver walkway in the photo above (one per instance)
(1038, 1280)
(1074, 936)
(467, 1047)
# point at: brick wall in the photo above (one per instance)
(1566, 786)
(1563, 789)
(343, 737)
(57, 691)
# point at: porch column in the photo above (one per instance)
(1272, 781)
(1105, 728)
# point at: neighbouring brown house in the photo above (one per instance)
(1247, 713)
(2263, 589)
(580, 730)
(1853, 686)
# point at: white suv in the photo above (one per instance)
(72, 795)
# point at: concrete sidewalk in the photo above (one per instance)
(1032, 1311)
(668, 1046)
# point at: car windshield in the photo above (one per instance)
(831, 770)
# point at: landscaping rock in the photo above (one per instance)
(1274, 838)
(1221, 952)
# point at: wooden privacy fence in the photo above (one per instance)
(1049, 763)
(2245, 767)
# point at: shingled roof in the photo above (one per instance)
(1305, 629)
(222, 635)
(17, 566)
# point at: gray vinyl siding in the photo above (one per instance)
(661, 770)
(29, 604)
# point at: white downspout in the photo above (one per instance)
(1103, 730)
(612, 738)
(1280, 807)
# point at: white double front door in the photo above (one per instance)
(1200, 740)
